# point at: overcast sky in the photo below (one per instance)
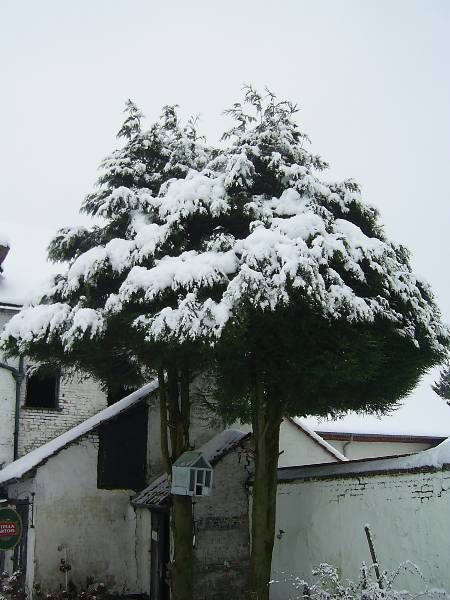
(372, 79)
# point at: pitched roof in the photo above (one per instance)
(20, 467)
(318, 439)
(433, 459)
(190, 458)
(214, 450)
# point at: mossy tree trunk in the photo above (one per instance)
(266, 421)
(175, 417)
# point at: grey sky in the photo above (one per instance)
(372, 79)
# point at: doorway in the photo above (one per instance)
(160, 555)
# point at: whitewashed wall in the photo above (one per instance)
(323, 521)
(297, 448)
(7, 399)
(97, 527)
(357, 449)
(78, 400)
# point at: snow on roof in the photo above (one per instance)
(213, 451)
(20, 467)
(23, 288)
(435, 457)
(11, 292)
(432, 459)
(319, 440)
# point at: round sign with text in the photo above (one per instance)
(10, 528)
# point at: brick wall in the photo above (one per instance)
(77, 401)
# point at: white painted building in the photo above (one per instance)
(356, 445)
(77, 494)
(9, 373)
(77, 507)
(35, 409)
(73, 510)
(300, 445)
(322, 511)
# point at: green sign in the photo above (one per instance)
(10, 528)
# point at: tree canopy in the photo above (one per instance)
(246, 260)
(67, 326)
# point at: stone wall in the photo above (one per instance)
(222, 530)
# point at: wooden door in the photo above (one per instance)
(160, 556)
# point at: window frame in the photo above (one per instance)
(198, 480)
(56, 406)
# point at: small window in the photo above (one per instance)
(191, 480)
(42, 391)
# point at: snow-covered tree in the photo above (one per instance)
(442, 386)
(310, 309)
(74, 325)
(251, 263)
(324, 308)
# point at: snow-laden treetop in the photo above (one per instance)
(195, 234)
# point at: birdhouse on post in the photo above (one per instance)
(192, 475)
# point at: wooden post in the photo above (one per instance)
(374, 556)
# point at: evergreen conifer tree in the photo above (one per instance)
(73, 326)
(252, 264)
(442, 386)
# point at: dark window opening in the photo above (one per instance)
(116, 394)
(122, 452)
(42, 391)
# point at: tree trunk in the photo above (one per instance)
(164, 434)
(176, 402)
(182, 584)
(266, 423)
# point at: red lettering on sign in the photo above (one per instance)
(8, 529)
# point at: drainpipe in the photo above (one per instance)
(18, 375)
(345, 446)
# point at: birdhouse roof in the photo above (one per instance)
(193, 458)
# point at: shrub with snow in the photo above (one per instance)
(327, 584)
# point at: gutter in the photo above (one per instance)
(381, 437)
(19, 376)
